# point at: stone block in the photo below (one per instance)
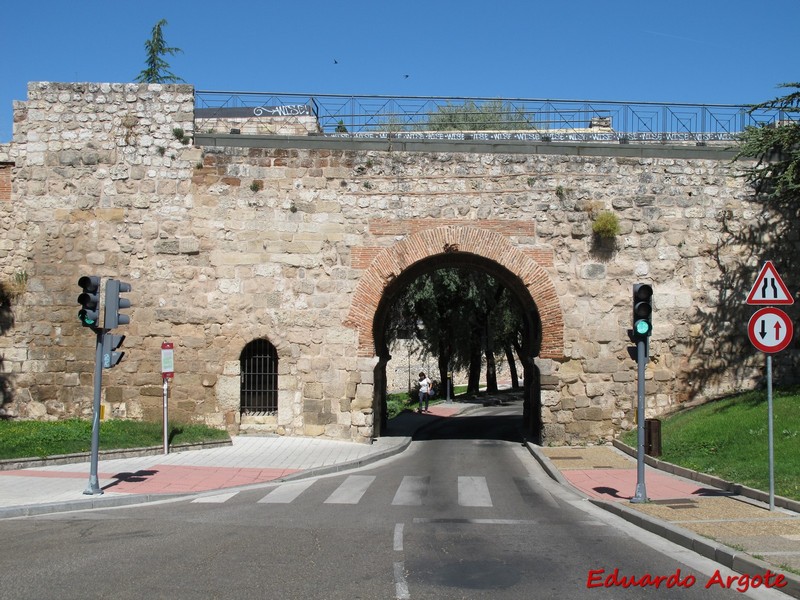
(313, 390)
(553, 434)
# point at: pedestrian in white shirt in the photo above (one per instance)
(424, 389)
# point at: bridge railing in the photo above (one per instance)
(474, 118)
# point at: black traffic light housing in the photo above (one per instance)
(110, 343)
(89, 300)
(642, 310)
(114, 303)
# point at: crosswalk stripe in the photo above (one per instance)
(215, 499)
(351, 490)
(411, 491)
(287, 492)
(473, 491)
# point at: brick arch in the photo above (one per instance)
(392, 261)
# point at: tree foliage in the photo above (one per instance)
(470, 116)
(776, 148)
(461, 317)
(157, 70)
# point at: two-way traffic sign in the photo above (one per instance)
(770, 330)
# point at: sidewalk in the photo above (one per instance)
(734, 528)
(35, 490)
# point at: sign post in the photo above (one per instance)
(770, 330)
(167, 373)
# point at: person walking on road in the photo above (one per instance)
(424, 389)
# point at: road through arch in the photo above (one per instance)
(457, 246)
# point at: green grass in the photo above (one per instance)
(729, 438)
(23, 439)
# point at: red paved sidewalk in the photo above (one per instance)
(620, 484)
(167, 479)
(443, 411)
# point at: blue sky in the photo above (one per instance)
(699, 51)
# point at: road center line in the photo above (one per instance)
(398, 537)
(400, 584)
(479, 521)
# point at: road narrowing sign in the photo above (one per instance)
(769, 288)
(770, 330)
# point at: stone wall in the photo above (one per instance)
(226, 244)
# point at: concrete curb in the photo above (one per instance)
(548, 466)
(13, 464)
(740, 562)
(405, 442)
(90, 503)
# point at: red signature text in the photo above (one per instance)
(600, 578)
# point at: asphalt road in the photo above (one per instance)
(464, 513)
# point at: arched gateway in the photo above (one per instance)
(450, 246)
(302, 240)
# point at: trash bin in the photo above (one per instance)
(652, 437)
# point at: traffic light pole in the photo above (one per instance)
(94, 487)
(105, 355)
(641, 360)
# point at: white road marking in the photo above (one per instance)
(400, 583)
(477, 521)
(287, 492)
(473, 491)
(351, 490)
(411, 491)
(215, 499)
(398, 537)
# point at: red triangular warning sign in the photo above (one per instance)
(769, 288)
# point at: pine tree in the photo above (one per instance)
(776, 148)
(157, 70)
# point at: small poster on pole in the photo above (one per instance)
(167, 360)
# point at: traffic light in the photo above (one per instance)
(110, 343)
(114, 303)
(89, 300)
(642, 310)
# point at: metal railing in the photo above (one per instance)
(414, 117)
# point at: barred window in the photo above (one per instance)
(259, 378)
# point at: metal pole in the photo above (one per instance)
(166, 421)
(94, 487)
(769, 429)
(641, 359)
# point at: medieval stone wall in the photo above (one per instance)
(227, 244)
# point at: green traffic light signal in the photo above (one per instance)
(642, 309)
(89, 300)
(642, 327)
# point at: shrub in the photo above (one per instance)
(606, 225)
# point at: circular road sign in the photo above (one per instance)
(770, 330)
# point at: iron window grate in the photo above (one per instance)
(259, 379)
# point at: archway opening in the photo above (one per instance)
(258, 384)
(505, 286)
